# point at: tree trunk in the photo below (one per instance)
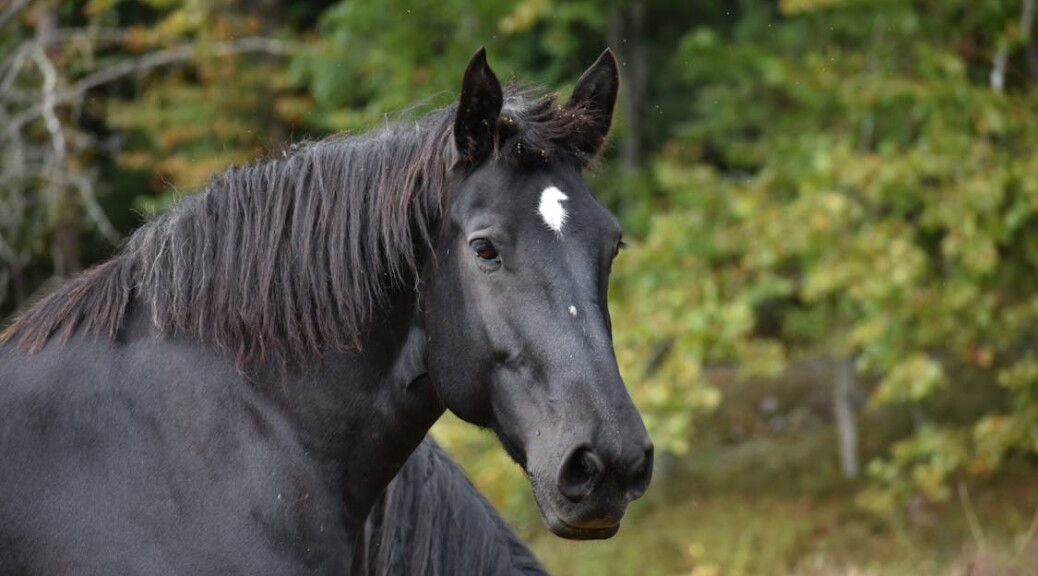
(626, 27)
(65, 242)
(1027, 28)
(844, 387)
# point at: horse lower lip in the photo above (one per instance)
(564, 529)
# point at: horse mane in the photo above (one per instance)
(276, 261)
(431, 520)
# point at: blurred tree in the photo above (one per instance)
(183, 123)
(862, 189)
(62, 64)
(43, 183)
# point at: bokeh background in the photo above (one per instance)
(828, 314)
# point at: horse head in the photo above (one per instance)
(519, 337)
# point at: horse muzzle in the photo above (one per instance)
(591, 488)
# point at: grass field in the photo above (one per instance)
(678, 532)
(766, 507)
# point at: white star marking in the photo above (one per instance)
(551, 208)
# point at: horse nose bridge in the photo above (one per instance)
(583, 326)
(572, 338)
(599, 408)
(574, 295)
(624, 438)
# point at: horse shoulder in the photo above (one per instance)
(157, 455)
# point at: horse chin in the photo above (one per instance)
(563, 529)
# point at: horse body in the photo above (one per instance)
(233, 391)
(202, 470)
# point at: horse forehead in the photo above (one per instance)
(506, 189)
(555, 201)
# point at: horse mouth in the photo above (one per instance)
(563, 529)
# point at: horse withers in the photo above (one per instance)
(232, 391)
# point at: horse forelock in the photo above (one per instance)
(278, 261)
(535, 130)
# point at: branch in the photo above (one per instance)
(11, 11)
(1030, 40)
(159, 59)
(11, 66)
(1026, 18)
(1001, 58)
(86, 193)
(50, 81)
(971, 517)
(998, 68)
(12, 60)
(113, 35)
(179, 54)
(13, 165)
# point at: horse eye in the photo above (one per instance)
(620, 245)
(484, 249)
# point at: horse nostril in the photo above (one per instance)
(639, 475)
(580, 474)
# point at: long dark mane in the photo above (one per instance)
(277, 261)
(432, 521)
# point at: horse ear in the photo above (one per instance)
(595, 94)
(478, 109)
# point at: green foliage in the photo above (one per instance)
(852, 186)
(379, 57)
(185, 121)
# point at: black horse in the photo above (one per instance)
(432, 521)
(233, 391)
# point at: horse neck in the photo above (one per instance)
(364, 412)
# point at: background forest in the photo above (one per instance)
(828, 314)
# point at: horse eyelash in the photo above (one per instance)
(620, 245)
